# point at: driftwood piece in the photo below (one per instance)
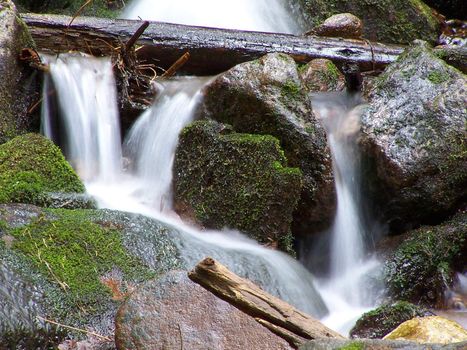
(211, 50)
(286, 321)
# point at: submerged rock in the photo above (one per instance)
(377, 323)
(423, 266)
(432, 329)
(241, 181)
(30, 166)
(172, 312)
(342, 25)
(413, 132)
(19, 86)
(388, 21)
(268, 96)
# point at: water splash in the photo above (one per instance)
(259, 15)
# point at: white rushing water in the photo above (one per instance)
(349, 264)
(146, 187)
(259, 15)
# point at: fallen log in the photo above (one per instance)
(211, 50)
(274, 313)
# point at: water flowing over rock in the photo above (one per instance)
(414, 132)
(241, 181)
(172, 312)
(431, 329)
(19, 86)
(423, 266)
(382, 320)
(388, 21)
(267, 96)
(377, 344)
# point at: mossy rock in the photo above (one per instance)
(236, 180)
(96, 8)
(376, 344)
(269, 96)
(20, 85)
(30, 166)
(424, 265)
(387, 21)
(75, 265)
(376, 323)
(413, 134)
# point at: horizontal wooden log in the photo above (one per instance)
(279, 316)
(211, 50)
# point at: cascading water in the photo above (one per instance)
(92, 143)
(145, 188)
(239, 14)
(340, 115)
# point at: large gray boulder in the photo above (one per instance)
(413, 133)
(268, 96)
(173, 312)
(19, 84)
(388, 21)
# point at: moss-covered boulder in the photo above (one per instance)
(423, 266)
(414, 133)
(268, 96)
(376, 323)
(431, 330)
(30, 166)
(19, 84)
(388, 21)
(97, 8)
(73, 267)
(227, 179)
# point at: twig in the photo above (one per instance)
(78, 13)
(75, 329)
(176, 66)
(129, 44)
(180, 335)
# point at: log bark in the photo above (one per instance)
(211, 50)
(279, 316)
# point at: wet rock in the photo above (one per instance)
(30, 166)
(19, 86)
(388, 21)
(413, 133)
(72, 266)
(236, 180)
(343, 25)
(60, 200)
(267, 96)
(172, 312)
(432, 329)
(321, 75)
(376, 344)
(377, 323)
(423, 265)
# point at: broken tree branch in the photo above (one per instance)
(246, 296)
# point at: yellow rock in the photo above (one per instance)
(431, 329)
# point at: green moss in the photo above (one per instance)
(237, 180)
(74, 253)
(290, 90)
(31, 165)
(424, 264)
(96, 8)
(376, 323)
(355, 345)
(438, 77)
